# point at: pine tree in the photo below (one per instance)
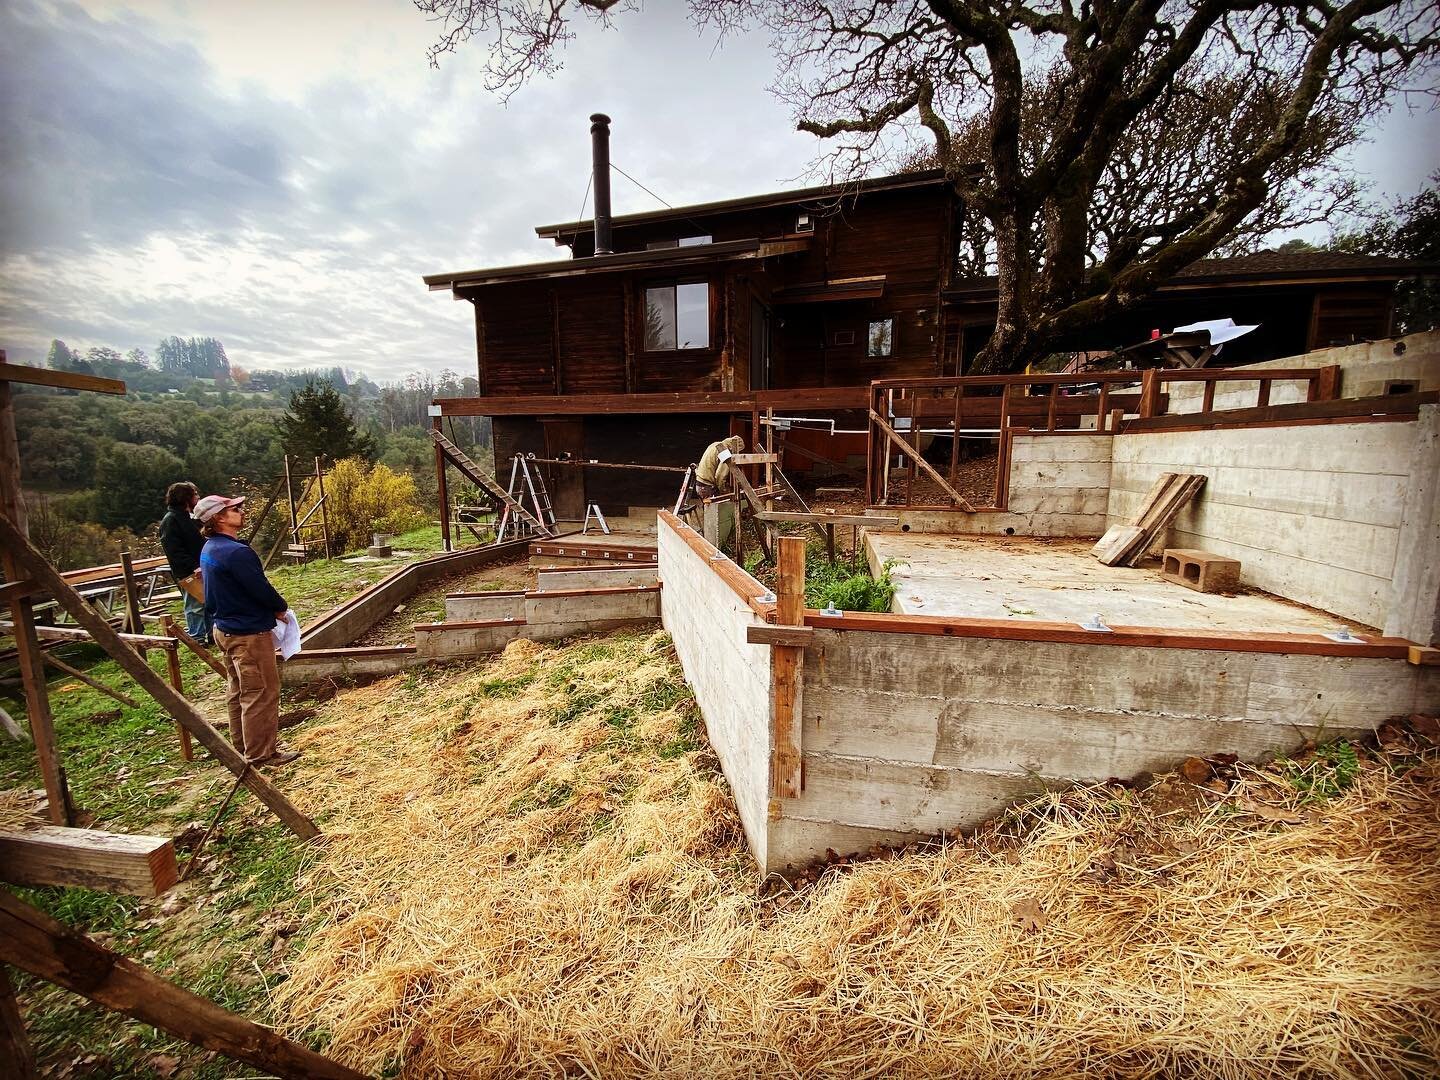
(317, 425)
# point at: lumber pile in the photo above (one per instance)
(1125, 545)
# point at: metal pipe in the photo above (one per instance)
(600, 164)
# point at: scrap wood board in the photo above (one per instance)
(1123, 545)
(89, 858)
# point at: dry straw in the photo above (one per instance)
(532, 873)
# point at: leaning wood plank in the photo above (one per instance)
(1117, 540)
(1176, 497)
(176, 705)
(88, 858)
(72, 633)
(925, 467)
(198, 649)
(1153, 497)
(34, 942)
(94, 684)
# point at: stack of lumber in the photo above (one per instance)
(1125, 545)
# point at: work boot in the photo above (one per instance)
(282, 756)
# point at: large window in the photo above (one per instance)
(677, 317)
(882, 338)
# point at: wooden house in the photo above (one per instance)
(661, 331)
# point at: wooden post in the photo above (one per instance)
(786, 662)
(172, 663)
(133, 625)
(1117, 417)
(1207, 400)
(954, 437)
(1100, 408)
(324, 510)
(17, 1060)
(441, 490)
(22, 614)
(1326, 385)
(1263, 398)
(1149, 392)
(18, 546)
(34, 942)
(1050, 408)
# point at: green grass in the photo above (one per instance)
(836, 585)
(318, 585)
(1326, 775)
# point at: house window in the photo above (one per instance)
(677, 317)
(684, 241)
(882, 337)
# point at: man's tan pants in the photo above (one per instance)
(254, 697)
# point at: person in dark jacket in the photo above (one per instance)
(244, 608)
(181, 540)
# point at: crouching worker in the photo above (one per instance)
(712, 475)
(244, 608)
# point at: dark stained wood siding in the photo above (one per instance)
(518, 339)
(592, 335)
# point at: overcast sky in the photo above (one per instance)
(279, 173)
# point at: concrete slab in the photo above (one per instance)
(1057, 580)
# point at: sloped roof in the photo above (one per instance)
(1306, 264)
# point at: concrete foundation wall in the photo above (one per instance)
(1366, 370)
(598, 578)
(910, 735)
(476, 607)
(539, 617)
(707, 621)
(306, 667)
(1313, 513)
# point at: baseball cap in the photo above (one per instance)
(211, 505)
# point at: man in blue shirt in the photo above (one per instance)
(244, 608)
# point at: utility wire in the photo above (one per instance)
(652, 194)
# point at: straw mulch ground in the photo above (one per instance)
(534, 869)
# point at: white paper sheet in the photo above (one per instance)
(287, 635)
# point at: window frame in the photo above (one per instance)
(674, 284)
(889, 352)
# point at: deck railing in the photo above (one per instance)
(905, 413)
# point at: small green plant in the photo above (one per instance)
(828, 584)
(1327, 775)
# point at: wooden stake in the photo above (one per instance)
(786, 661)
(172, 664)
(15, 542)
(442, 490)
(36, 943)
(133, 625)
(17, 1060)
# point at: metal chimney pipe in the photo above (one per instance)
(600, 163)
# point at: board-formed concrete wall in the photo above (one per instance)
(1058, 487)
(910, 735)
(707, 621)
(1313, 513)
(598, 577)
(1366, 370)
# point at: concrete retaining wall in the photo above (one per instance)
(539, 617)
(341, 625)
(1313, 513)
(707, 620)
(598, 577)
(476, 607)
(911, 735)
(306, 667)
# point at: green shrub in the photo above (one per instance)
(362, 499)
(828, 585)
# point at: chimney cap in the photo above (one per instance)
(599, 118)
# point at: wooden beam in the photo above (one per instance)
(797, 636)
(88, 859)
(94, 684)
(218, 745)
(919, 460)
(786, 662)
(199, 650)
(17, 1059)
(1384, 406)
(754, 459)
(877, 520)
(79, 633)
(64, 380)
(34, 942)
(816, 399)
(1423, 656)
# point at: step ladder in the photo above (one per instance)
(526, 481)
(593, 510)
(473, 473)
